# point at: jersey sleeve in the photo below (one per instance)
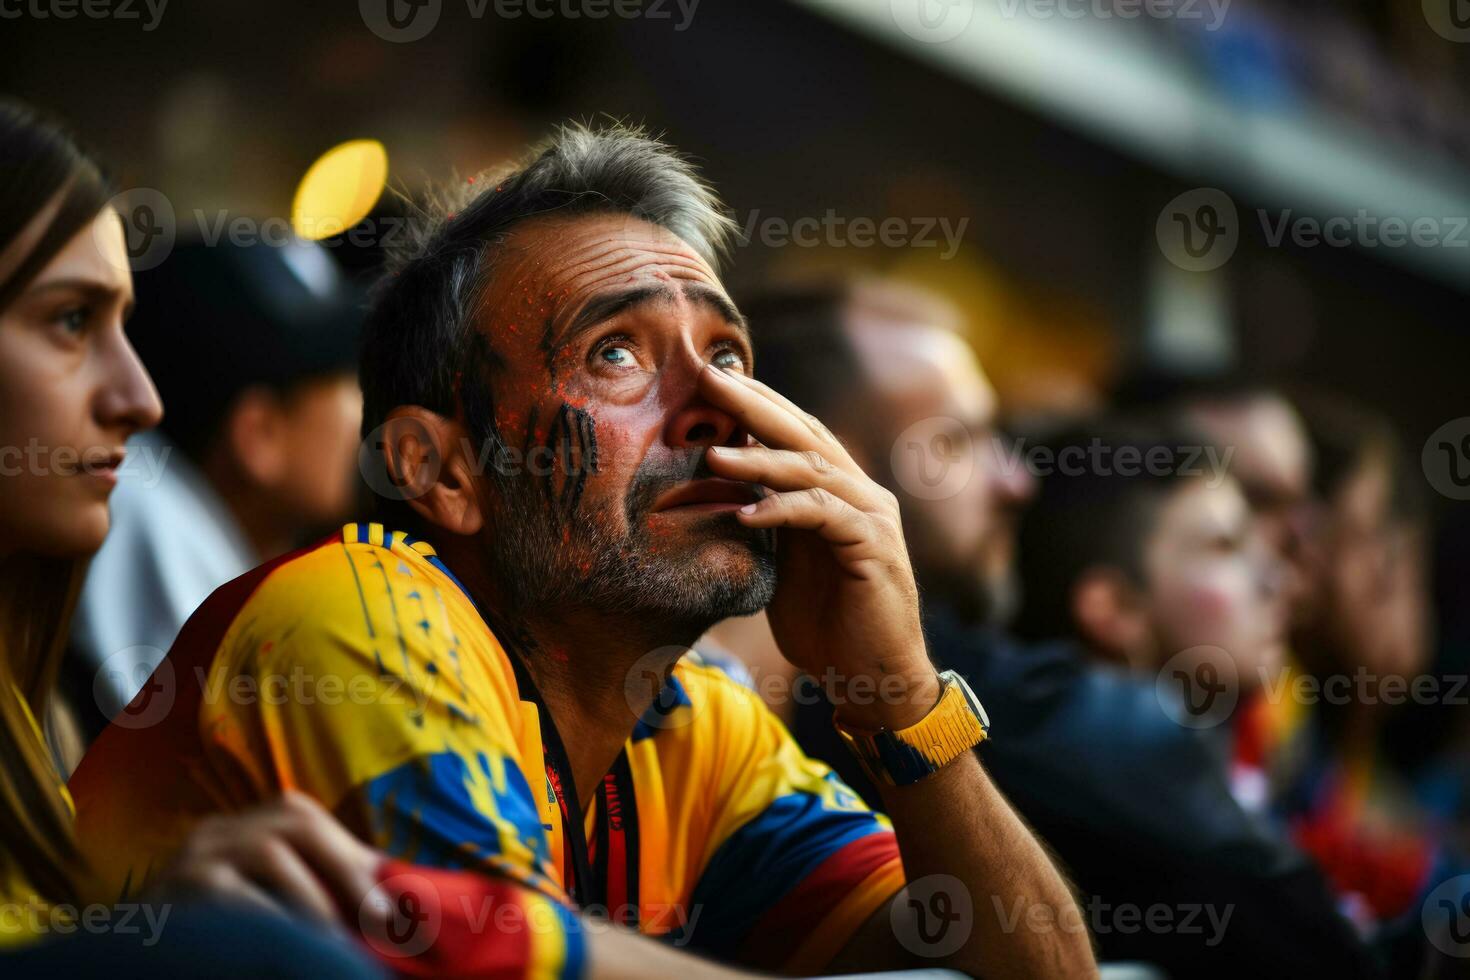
(797, 862)
(361, 677)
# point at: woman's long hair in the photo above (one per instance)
(40, 167)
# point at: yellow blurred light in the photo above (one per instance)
(339, 189)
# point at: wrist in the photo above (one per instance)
(894, 699)
(901, 754)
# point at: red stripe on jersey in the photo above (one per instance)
(790, 921)
(427, 922)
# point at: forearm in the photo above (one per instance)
(618, 954)
(1026, 922)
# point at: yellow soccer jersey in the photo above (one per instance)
(358, 671)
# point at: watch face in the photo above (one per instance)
(954, 677)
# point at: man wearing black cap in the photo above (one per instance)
(253, 349)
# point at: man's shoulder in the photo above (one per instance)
(362, 589)
(351, 573)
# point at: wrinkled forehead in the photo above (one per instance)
(548, 270)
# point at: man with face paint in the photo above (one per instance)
(558, 396)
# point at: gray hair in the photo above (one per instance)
(420, 332)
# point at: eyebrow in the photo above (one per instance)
(600, 309)
(81, 285)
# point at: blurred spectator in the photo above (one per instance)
(1332, 493)
(1147, 553)
(1365, 636)
(1135, 805)
(1270, 459)
(253, 348)
(1257, 431)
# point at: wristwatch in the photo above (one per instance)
(952, 727)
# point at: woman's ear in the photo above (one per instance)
(429, 462)
(1112, 617)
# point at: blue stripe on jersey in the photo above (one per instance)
(655, 719)
(423, 811)
(764, 860)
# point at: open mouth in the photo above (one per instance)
(710, 495)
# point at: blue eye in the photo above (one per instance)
(75, 320)
(729, 359)
(617, 356)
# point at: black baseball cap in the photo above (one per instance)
(215, 319)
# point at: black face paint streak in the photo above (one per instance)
(574, 435)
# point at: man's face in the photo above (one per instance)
(1373, 612)
(595, 329)
(939, 414)
(1272, 462)
(1212, 581)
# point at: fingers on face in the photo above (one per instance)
(785, 470)
(771, 417)
(813, 509)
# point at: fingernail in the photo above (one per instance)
(718, 450)
(748, 509)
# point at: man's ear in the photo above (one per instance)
(428, 459)
(1111, 616)
(255, 436)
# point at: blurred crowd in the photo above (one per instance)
(1367, 60)
(1200, 617)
